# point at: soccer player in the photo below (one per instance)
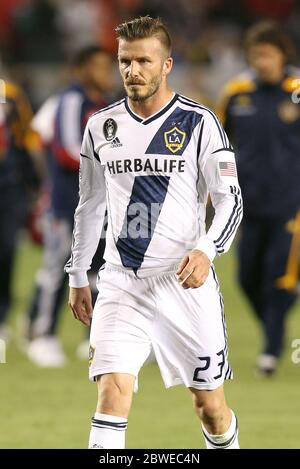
(260, 111)
(154, 157)
(19, 165)
(66, 116)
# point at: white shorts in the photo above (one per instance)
(186, 328)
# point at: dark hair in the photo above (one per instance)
(270, 32)
(144, 27)
(85, 54)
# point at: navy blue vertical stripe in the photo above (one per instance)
(185, 121)
(146, 191)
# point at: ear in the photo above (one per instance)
(167, 67)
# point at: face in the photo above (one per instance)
(144, 65)
(98, 72)
(267, 60)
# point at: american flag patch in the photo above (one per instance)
(227, 168)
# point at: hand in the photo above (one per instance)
(194, 269)
(80, 302)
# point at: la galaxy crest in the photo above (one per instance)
(174, 139)
(110, 129)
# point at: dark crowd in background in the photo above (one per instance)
(38, 37)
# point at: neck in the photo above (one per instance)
(151, 105)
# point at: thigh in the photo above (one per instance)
(190, 339)
(121, 325)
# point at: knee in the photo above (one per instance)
(210, 408)
(114, 395)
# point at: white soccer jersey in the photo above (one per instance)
(154, 176)
(43, 120)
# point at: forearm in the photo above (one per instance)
(228, 215)
(222, 182)
(89, 216)
(88, 223)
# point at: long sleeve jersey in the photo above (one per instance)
(263, 121)
(154, 175)
(72, 112)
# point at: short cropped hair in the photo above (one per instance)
(270, 32)
(145, 27)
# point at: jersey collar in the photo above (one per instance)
(154, 116)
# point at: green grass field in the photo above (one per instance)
(52, 408)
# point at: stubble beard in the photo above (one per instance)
(137, 96)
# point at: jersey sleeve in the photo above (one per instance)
(89, 215)
(218, 169)
(67, 136)
(43, 120)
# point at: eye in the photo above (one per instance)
(125, 62)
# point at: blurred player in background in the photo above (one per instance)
(61, 122)
(261, 114)
(19, 166)
(154, 157)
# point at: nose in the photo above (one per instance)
(134, 69)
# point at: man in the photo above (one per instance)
(19, 164)
(155, 170)
(61, 122)
(260, 113)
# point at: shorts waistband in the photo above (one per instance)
(144, 273)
